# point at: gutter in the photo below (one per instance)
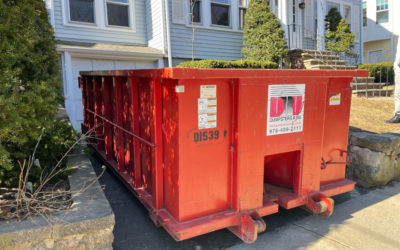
(109, 54)
(166, 9)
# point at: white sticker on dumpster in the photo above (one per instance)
(207, 113)
(285, 112)
(208, 91)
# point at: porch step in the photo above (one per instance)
(337, 67)
(363, 79)
(373, 92)
(306, 56)
(317, 52)
(366, 85)
(311, 62)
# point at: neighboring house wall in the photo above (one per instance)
(381, 35)
(303, 27)
(378, 51)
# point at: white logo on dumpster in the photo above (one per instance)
(285, 108)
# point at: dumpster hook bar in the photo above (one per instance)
(121, 128)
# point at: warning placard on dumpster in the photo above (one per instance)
(207, 107)
(285, 112)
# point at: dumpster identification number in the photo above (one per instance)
(285, 108)
(206, 136)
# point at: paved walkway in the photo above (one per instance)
(363, 219)
(369, 220)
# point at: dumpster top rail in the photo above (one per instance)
(192, 73)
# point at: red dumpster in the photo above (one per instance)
(205, 149)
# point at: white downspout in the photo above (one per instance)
(168, 33)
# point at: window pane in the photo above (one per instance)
(242, 13)
(364, 14)
(81, 11)
(195, 9)
(117, 15)
(220, 14)
(382, 16)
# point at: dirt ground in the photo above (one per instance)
(369, 114)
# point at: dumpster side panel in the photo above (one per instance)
(250, 118)
(336, 129)
(204, 152)
(171, 146)
(146, 131)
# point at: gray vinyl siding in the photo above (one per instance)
(155, 24)
(208, 43)
(83, 34)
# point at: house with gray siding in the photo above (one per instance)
(136, 34)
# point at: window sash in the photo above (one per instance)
(76, 18)
(217, 4)
(364, 6)
(196, 15)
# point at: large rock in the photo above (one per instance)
(376, 158)
(387, 143)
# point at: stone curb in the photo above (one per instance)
(87, 225)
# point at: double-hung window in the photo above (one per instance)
(195, 11)
(382, 11)
(118, 12)
(81, 11)
(242, 12)
(347, 15)
(220, 12)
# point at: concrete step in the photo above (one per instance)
(364, 79)
(310, 62)
(373, 92)
(366, 85)
(306, 56)
(317, 52)
(337, 67)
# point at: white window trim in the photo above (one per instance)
(100, 18)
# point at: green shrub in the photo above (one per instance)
(383, 72)
(241, 64)
(30, 89)
(263, 37)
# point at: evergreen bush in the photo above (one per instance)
(383, 72)
(339, 38)
(30, 89)
(240, 64)
(263, 38)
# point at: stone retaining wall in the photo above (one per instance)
(376, 158)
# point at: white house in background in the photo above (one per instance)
(132, 34)
(381, 28)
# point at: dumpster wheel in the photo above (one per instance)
(320, 205)
(249, 228)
